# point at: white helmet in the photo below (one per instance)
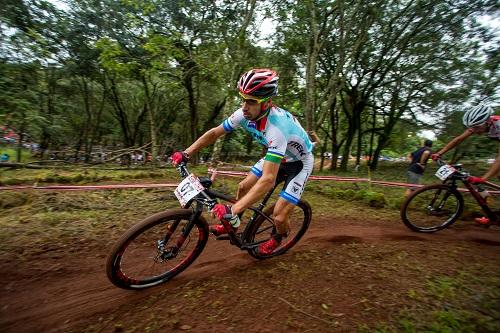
(477, 116)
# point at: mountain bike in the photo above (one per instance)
(434, 207)
(163, 245)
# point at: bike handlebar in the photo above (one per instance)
(184, 172)
(459, 172)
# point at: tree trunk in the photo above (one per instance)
(19, 144)
(313, 48)
(360, 139)
(349, 138)
(120, 114)
(372, 137)
(152, 125)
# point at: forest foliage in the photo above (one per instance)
(367, 76)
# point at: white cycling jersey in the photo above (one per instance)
(494, 131)
(279, 131)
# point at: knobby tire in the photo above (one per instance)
(135, 261)
(432, 208)
(260, 229)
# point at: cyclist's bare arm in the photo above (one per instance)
(263, 185)
(450, 145)
(495, 168)
(206, 139)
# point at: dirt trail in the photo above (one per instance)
(55, 300)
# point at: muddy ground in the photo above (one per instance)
(347, 274)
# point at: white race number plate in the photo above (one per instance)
(188, 189)
(445, 171)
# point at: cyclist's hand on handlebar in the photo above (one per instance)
(475, 180)
(436, 157)
(178, 157)
(223, 212)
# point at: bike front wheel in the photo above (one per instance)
(261, 228)
(432, 208)
(155, 250)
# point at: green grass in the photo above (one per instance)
(387, 200)
(466, 302)
(25, 154)
(430, 296)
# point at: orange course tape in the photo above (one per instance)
(214, 173)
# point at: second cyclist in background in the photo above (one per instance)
(478, 120)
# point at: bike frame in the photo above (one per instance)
(459, 175)
(209, 198)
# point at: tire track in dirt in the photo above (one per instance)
(57, 301)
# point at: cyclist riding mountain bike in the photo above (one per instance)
(478, 120)
(286, 142)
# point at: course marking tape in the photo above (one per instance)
(214, 173)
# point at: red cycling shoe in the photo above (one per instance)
(219, 230)
(482, 220)
(268, 247)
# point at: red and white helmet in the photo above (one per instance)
(259, 82)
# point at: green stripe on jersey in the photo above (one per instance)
(273, 158)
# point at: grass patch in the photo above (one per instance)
(466, 302)
(401, 289)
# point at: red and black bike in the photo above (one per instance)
(434, 207)
(163, 245)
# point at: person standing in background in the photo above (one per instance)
(417, 166)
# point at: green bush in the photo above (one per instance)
(13, 199)
(78, 178)
(11, 181)
(373, 199)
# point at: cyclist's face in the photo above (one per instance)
(251, 109)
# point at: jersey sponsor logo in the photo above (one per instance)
(251, 124)
(298, 146)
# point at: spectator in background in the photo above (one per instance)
(4, 157)
(417, 166)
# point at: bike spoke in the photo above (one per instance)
(156, 253)
(263, 228)
(431, 209)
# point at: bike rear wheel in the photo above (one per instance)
(432, 208)
(261, 228)
(148, 253)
